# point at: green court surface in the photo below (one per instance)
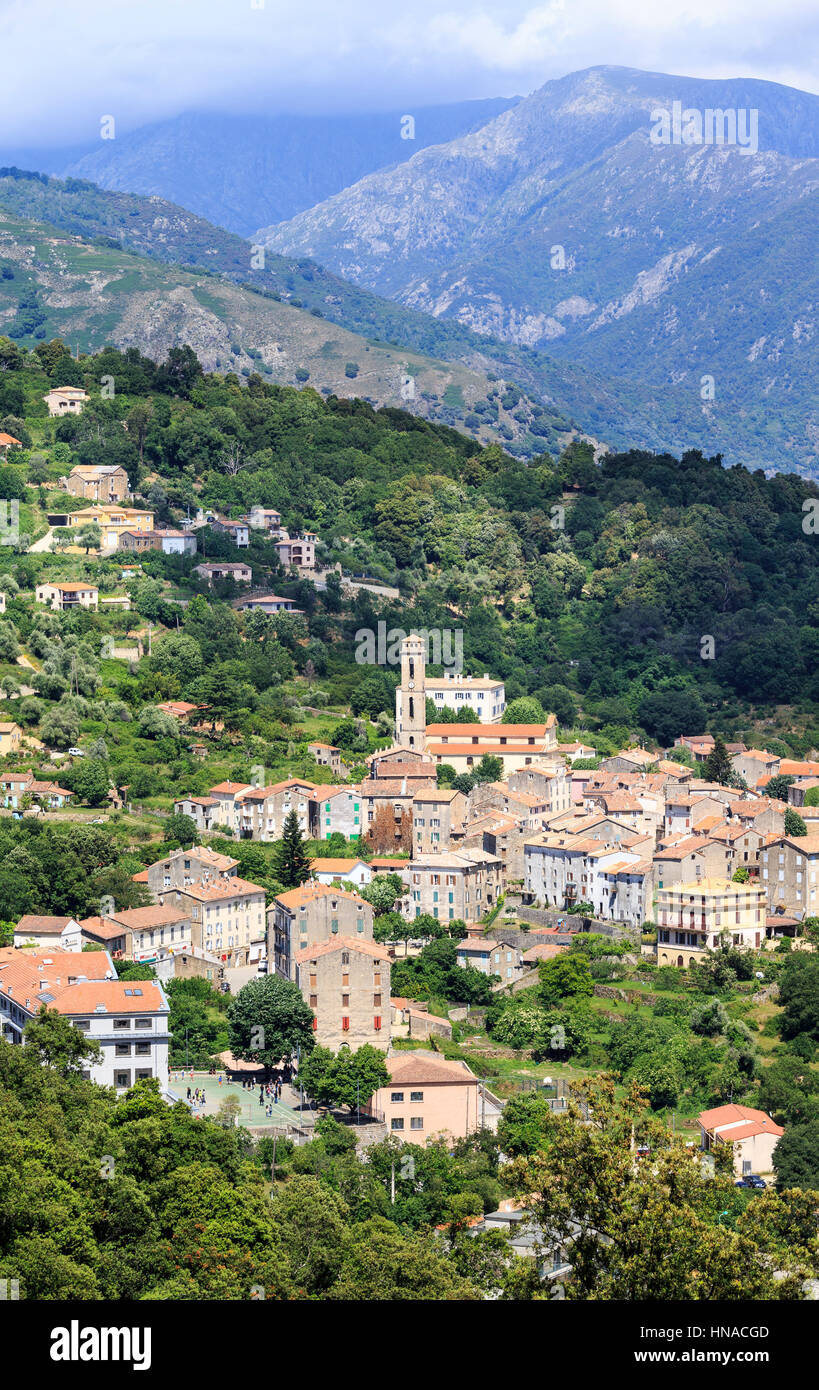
(252, 1113)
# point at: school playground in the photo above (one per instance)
(252, 1113)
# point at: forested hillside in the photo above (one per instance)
(591, 587)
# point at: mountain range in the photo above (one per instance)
(684, 271)
(242, 171)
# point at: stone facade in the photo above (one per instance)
(346, 982)
(311, 916)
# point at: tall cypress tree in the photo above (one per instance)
(291, 861)
(717, 767)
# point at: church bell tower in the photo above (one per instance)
(410, 697)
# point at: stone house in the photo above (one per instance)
(436, 814)
(789, 867)
(309, 916)
(453, 887)
(346, 982)
(106, 482)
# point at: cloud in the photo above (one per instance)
(67, 65)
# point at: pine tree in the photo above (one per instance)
(717, 766)
(291, 861)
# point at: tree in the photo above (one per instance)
(796, 1157)
(778, 787)
(525, 710)
(667, 713)
(382, 892)
(269, 1022)
(181, 828)
(643, 1231)
(90, 536)
(59, 1045)
(799, 995)
(566, 977)
(717, 766)
(794, 824)
(291, 862)
(91, 781)
(489, 769)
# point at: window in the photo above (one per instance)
(416, 1096)
(122, 1023)
(143, 1074)
(345, 955)
(122, 1078)
(416, 1122)
(345, 1023)
(123, 1049)
(397, 1097)
(313, 1001)
(142, 1049)
(315, 1024)
(396, 1123)
(345, 1001)
(377, 1023)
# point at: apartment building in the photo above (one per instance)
(227, 917)
(428, 1098)
(129, 1019)
(62, 597)
(517, 745)
(147, 930)
(182, 867)
(547, 781)
(755, 763)
(684, 811)
(788, 874)
(486, 697)
(452, 886)
(297, 552)
(309, 916)
(436, 814)
(338, 811)
(702, 914)
(346, 982)
(560, 870)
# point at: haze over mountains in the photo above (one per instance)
(244, 171)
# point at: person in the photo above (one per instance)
(261, 1098)
(189, 1093)
(220, 1078)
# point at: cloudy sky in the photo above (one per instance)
(66, 65)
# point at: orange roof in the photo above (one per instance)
(310, 892)
(345, 943)
(7, 439)
(408, 1068)
(230, 788)
(742, 1119)
(110, 996)
(491, 731)
(331, 865)
(224, 888)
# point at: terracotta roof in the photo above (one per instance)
(490, 731)
(211, 892)
(409, 1068)
(43, 925)
(310, 891)
(231, 788)
(746, 1120)
(344, 943)
(331, 865)
(110, 996)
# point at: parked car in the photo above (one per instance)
(751, 1180)
(262, 967)
(76, 753)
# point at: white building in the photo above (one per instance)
(479, 693)
(128, 1018)
(48, 933)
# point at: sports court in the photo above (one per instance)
(286, 1112)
